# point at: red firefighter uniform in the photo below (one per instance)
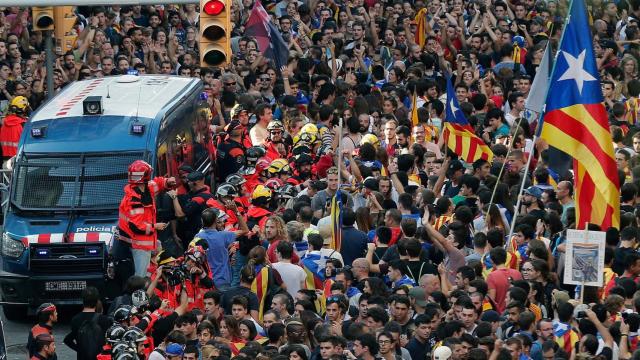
(138, 214)
(10, 134)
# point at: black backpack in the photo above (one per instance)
(90, 337)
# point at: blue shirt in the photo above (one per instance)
(354, 244)
(218, 254)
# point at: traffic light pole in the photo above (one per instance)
(48, 55)
(91, 2)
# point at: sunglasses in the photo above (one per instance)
(230, 84)
(334, 299)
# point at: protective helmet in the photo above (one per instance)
(226, 190)
(139, 172)
(46, 307)
(253, 154)
(288, 191)
(370, 139)
(139, 298)
(442, 353)
(124, 351)
(134, 335)
(19, 104)
(261, 191)
(123, 313)
(277, 166)
(262, 164)
(274, 184)
(275, 125)
(308, 138)
(236, 110)
(196, 253)
(310, 129)
(303, 159)
(235, 180)
(114, 333)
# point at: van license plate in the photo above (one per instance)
(65, 285)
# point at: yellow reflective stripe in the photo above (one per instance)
(8, 143)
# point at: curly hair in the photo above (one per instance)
(281, 227)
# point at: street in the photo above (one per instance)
(16, 333)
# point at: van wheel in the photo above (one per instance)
(15, 312)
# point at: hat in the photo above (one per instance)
(233, 125)
(46, 307)
(454, 166)
(371, 183)
(419, 295)
(490, 316)
(174, 349)
(534, 191)
(442, 353)
(195, 176)
(164, 258)
(44, 338)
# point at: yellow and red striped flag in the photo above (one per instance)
(414, 109)
(576, 123)
(421, 29)
(336, 221)
(459, 134)
(260, 286)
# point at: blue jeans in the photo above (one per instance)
(241, 261)
(141, 260)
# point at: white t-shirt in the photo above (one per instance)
(292, 275)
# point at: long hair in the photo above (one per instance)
(232, 326)
(281, 227)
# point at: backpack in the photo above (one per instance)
(90, 338)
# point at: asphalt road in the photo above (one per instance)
(16, 333)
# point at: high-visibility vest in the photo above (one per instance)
(138, 215)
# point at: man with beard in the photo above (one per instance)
(274, 143)
(303, 172)
(402, 136)
(544, 330)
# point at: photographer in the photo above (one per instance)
(198, 277)
(161, 285)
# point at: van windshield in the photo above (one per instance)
(71, 181)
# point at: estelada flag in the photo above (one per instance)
(576, 123)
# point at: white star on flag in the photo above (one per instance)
(453, 107)
(576, 70)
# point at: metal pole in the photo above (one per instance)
(49, 62)
(91, 2)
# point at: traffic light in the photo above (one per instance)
(215, 30)
(42, 18)
(65, 33)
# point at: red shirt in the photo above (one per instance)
(500, 280)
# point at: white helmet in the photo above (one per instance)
(442, 353)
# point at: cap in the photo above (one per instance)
(419, 295)
(164, 258)
(534, 191)
(233, 125)
(174, 349)
(371, 183)
(442, 353)
(46, 307)
(195, 176)
(454, 166)
(490, 316)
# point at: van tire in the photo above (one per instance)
(15, 312)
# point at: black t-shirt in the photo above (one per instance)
(618, 259)
(71, 340)
(415, 269)
(163, 326)
(239, 291)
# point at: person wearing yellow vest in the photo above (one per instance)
(137, 226)
(12, 126)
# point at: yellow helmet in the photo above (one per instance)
(277, 166)
(19, 103)
(261, 191)
(370, 139)
(309, 128)
(308, 138)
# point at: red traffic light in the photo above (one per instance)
(213, 7)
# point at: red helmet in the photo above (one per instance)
(274, 184)
(139, 172)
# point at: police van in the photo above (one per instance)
(68, 178)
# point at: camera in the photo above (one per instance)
(177, 275)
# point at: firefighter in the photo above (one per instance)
(275, 145)
(45, 348)
(137, 226)
(259, 210)
(113, 335)
(188, 212)
(12, 126)
(47, 314)
(230, 153)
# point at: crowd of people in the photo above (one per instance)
(428, 258)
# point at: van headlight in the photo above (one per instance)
(11, 247)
